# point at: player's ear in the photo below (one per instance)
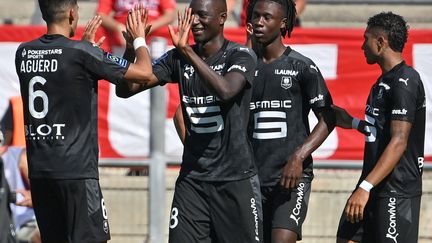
(283, 23)
(223, 18)
(382, 43)
(73, 15)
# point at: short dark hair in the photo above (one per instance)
(394, 26)
(289, 10)
(53, 10)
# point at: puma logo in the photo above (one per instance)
(405, 81)
(314, 67)
(295, 219)
(393, 237)
(386, 86)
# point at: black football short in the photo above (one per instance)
(386, 220)
(70, 210)
(285, 209)
(223, 212)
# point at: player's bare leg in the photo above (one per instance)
(340, 240)
(283, 236)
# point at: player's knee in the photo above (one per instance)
(283, 236)
(340, 240)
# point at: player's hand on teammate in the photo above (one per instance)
(343, 118)
(364, 127)
(90, 31)
(292, 173)
(180, 38)
(355, 205)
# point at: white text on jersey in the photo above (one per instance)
(371, 110)
(315, 99)
(44, 131)
(399, 112)
(243, 69)
(39, 66)
(41, 53)
(270, 104)
(200, 100)
(286, 72)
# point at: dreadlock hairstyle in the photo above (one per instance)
(289, 9)
(249, 10)
(394, 26)
(290, 15)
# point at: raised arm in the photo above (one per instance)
(141, 70)
(224, 87)
(140, 75)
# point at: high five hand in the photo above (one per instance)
(136, 24)
(181, 38)
(90, 31)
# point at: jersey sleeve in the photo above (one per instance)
(105, 6)
(314, 87)
(404, 97)
(104, 65)
(164, 68)
(243, 60)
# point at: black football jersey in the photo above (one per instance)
(58, 79)
(216, 147)
(284, 92)
(397, 95)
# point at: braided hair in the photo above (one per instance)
(249, 10)
(289, 10)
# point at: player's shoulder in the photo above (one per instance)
(300, 57)
(234, 47)
(170, 55)
(28, 44)
(406, 77)
(303, 63)
(409, 71)
(85, 47)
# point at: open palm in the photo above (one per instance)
(181, 37)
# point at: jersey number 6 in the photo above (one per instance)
(35, 94)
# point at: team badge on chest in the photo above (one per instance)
(286, 82)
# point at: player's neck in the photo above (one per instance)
(390, 61)
(59, 29)
(211, 47)
(272, 51)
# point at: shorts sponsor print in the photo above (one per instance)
(387, 220)
(285, 209)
